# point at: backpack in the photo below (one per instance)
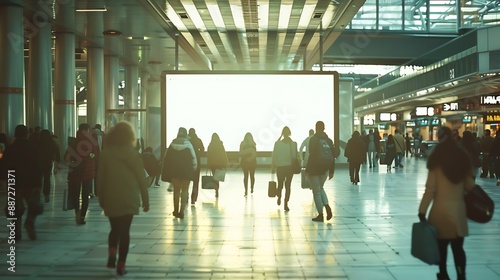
(325, 156)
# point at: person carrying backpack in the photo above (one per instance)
(321, 164)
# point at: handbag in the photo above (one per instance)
(296, 167)
(478, 205)
(219, 175)
(208, 182)
(424, 245)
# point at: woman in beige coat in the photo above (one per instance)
(450, 176)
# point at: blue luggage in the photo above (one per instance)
(424, 245)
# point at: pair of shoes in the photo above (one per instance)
(47, 198)
(179, 215)
(370, 166)
(329, 214)
(401, 166)
(120, 268)
(286, 207)
(246, 193)
(30, 228)
(442, 277)
(319, 218)
(251, 190)
(279, 200)
(157, 184)
(82, 221)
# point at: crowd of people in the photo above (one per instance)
(110, 167)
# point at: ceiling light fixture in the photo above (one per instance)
(111, 32)
(104, 9)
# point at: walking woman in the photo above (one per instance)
(390, 151)
(450, 176)
(216, 157)
(122, 188)
(354, 152)
(248, 153)
(285, 150)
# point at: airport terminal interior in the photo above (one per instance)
(256, 66)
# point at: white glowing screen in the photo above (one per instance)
(233, 104)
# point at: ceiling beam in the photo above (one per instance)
(159, 15)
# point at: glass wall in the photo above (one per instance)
(426, 16)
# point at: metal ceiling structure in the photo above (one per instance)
(215, 34)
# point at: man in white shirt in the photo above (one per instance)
(305, 144)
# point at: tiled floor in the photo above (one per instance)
(237, 237)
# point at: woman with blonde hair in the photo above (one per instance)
(122, 186)
(284, 152)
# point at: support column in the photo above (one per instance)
(95, 71)
(111, 81)
(112, 53)
(39, 86)
(143, 93)
(12, 112)
(131, 85)
(64, 75)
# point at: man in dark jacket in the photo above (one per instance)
(487, 164)
(24, 178)
(178, 168)
(198, 150)
(495, 155)
(152, 165)
(321, 164)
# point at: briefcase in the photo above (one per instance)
(424, 245)
(478, 205)
(271, 189)
(208, 182)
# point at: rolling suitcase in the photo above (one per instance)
(272, 190)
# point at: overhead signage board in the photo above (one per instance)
(490, 100)
(467, 119)
(452, 106)
(434, 122)
(424, 111)
(386, 117)
(492, 118)
(423, 122)
(411, 124)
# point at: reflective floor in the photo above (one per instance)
(237, 237)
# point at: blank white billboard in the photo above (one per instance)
(232, 104)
